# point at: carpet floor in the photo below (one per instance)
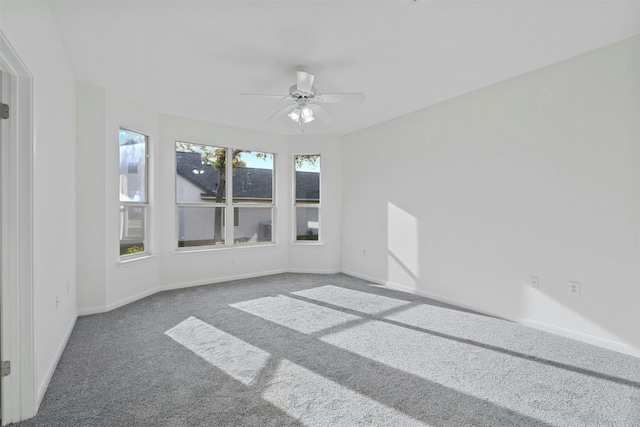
(327, 350)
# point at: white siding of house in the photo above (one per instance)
(186, 191)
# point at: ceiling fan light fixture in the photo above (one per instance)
(304, 96)
(302, 114)
(295, 114)
(306, 112)
(308, 119)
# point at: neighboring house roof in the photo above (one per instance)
(207, 180)
(307, 185)
(252, 183)
(248, 183)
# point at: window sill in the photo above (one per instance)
(307, 243)
(135, 260)
(210, 249)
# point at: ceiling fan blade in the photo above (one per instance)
(264, 96)
(304, 81)
(279, 112)
(340, 97)
(321, 114)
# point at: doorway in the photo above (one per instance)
(2, 138)
(17, 390)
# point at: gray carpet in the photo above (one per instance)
(317, 350)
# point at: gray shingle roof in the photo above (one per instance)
(207, 181)
(307, 185)
(248, 183)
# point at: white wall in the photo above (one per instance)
(537, 175)
(182, 268)
(30, 30)
(190, 266)
(105, 281)
(128, 281)
(90, 167)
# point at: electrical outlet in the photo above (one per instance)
(574, 288)
(233, 260)
(534, 281)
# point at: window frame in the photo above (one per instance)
(253, 205)
(228, 205)
(296, 205)
(200, 204)
(144, 205)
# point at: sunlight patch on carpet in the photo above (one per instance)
(354, 300)
(301, 393)
(452, 363)
(318, 401)
(302, 316)
(238, 359)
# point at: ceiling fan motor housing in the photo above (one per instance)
(298, 95)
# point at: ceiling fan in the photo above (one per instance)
(306, 100)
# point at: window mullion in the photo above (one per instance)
(229, 215)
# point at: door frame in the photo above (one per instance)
(16, 298)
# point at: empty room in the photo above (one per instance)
(320, 213)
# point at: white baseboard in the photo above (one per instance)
(580, 336)
(363, 277)
(132, 298)
(117, 304)
(312, 271)
(102, 309)
(42, 389)
(220, 280)
(182, 285)
(91, 310)
(403, 288)
(556, 330)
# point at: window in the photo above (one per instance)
(307, 197)
(203, 177)
(253, 197)
(133, 192)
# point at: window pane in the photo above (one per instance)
(200, 173)
(200, 226)
(307, 168)
(132, 229)
(253, 225)
(307, 223)
(133, 166)
(252, 177)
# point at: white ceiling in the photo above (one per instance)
(193, 58)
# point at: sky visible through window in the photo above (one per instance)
(253, 161)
